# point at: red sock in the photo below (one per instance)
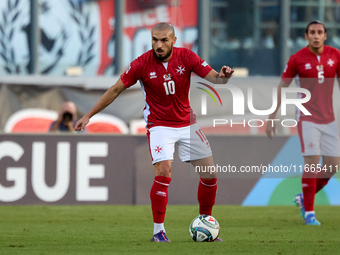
(308, 189)
(322, 179)
(206, 195)
(159, 198)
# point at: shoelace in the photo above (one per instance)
(164, 235)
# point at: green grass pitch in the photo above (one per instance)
(128, 230)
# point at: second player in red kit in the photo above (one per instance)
(315, 68)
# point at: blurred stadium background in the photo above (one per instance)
(53, 51)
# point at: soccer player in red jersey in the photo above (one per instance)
(315, 67)
(164, 73)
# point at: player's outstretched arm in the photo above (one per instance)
(107, 98)
(220, 78)
(271, 127)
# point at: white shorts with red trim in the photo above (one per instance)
(319, 139)
(192, 143)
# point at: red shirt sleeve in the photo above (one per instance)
(290, 71)
(133, 73)
(197, 65)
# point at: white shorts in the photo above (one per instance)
(192, 143)
(319, 139)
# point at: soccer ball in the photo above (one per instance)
(204, 228)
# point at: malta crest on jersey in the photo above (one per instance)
(167, 77)
(319, 68)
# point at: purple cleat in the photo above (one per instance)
(298, 200)
(218, 240)
(160, 237)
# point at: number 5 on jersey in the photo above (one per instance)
(321, 76)
(169, 87)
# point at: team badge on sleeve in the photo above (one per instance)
(285, 68)
(128, 69)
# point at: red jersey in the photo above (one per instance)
(166, 86)
(316, 74)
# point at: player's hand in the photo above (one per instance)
(81, 124)
(226, 72)
(270, 129)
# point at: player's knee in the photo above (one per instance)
(163, 168)
(209, 175)
(213, 174)
(166, 172)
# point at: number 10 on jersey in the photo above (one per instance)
(169, 87)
